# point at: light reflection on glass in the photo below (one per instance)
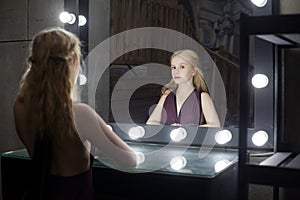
(220, 165)
(136, 132)
(178, 162)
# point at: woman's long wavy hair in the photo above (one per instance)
(47, 86)
(192, 58)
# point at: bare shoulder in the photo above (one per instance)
(205, 96)
(82, 107)
(162, 99)
(83, 110)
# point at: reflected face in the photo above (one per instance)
(182, 71)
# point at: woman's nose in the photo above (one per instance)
(176, 71)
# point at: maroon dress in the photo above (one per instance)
(78, 187)
(45, 186)
(190, 113)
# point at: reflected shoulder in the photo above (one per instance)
(205, 95)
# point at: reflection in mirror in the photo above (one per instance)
(185, 99)
(215, 26)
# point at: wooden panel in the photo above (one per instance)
(128, 14)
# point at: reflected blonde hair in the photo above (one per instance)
(48, 83)
(192, 58)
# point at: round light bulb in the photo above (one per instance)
(140, 158)
(66, 17)
(220, 165)
(178, 134)
(178, 162)
(259, 3)
(81, 20)
(260, 80)
(136, 132)
(260, 138)
(73, 19)
(223, 136)
(82, 79)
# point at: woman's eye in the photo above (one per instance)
(173, 67)
(181, 67)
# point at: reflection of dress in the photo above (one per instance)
(190, 112)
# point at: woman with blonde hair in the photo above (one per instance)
(48, 122)
(185, 99)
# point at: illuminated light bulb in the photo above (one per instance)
(260, 80)
(82, 79)
(221, 164)
(81, 20)
(260, 138)
(223, 136)
(140, 157)
(259, 3)
(66, 17)
(178, 162)
(178, 134)
(110, 127)
(136, 132)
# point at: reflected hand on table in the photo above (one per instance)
(176, 124)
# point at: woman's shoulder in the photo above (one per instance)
(205, 96)
(82, 108)
(84, 113)
(203, 93)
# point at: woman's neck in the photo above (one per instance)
(185, 88)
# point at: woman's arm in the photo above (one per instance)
(21, 125)
(92, 127)
(209, 111)
(155, 117)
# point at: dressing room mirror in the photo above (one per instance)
(131, 83)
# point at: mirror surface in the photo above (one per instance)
(213, 24)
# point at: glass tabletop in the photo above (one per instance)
(169, 159)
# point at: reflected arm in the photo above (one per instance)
(155, 117)
(209, 111)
